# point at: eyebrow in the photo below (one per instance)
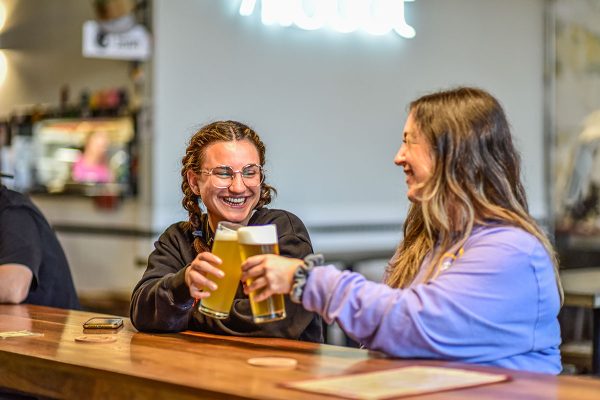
(409, 134)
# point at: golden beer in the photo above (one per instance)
(256, 240)
(226, 248)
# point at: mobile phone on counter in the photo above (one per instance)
(103, 323)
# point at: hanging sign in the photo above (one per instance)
(131, 44)
(377, 17)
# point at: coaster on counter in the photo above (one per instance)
(273, 362)
(96, 339)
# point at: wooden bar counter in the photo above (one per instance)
(192, 365)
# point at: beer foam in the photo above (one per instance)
(226, 234)
(259, 234)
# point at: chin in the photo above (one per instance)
(413, 198)
(237, 216)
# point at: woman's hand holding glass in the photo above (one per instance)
(197, 274)
(271, 273)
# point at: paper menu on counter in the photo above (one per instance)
(408, 381)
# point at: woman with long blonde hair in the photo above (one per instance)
(475, 279)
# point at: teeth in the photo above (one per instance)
(235, 200)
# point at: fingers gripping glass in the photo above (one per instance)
(223, 175)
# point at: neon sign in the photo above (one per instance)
(377, 17)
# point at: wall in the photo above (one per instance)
(331, 107)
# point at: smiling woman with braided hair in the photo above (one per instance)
(181, 265)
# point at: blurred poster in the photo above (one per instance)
(84, 156)
(577, 118)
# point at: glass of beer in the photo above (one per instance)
(225, 247)
(256, 240)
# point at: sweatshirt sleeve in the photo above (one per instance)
(487, 306)
(161, 301)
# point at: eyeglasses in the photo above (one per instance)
(222, 176)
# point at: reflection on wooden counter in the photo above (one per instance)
(196, 365)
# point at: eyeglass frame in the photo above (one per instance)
(261, 170)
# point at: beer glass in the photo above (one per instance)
(225, 247)
(256, 240)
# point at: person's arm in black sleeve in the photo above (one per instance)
(20, 255)
(161, 301)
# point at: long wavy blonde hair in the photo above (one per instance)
(475, 181)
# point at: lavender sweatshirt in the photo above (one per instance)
(496, 304)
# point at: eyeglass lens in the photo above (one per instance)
(222, 177)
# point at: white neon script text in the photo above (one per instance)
(377, 17)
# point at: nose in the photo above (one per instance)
(400, 157)
(237, 185)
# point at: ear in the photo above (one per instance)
(193, 181)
